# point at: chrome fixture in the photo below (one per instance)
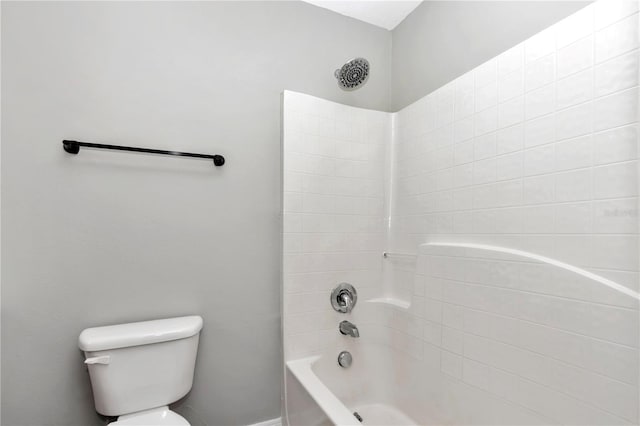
(345, 359)
(348, 328)
(344, 298)
(353, 73)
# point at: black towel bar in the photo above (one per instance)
(73, 147)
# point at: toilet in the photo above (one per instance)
(138, 369)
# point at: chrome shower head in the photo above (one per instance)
(353, 73)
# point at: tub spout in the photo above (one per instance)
(350, 329)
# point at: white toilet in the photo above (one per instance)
(138, 369)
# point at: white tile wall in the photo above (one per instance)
(552, 125)
(545, 162)
(333, 205)
(535, 322)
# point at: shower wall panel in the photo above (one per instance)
(334, 204)
(521, 177)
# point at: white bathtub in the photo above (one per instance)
(322, 393)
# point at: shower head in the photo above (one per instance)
(353, 73)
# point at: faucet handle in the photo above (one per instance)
(343, 298)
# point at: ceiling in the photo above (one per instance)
(382, 13)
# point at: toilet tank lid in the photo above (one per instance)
(139, 333)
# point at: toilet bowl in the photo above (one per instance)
(160, 416)
(138, 369)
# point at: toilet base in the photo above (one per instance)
(160, 416)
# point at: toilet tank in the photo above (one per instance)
(142, 365)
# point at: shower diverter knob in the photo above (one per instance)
(344, 298)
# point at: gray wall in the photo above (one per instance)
(441, 40)
(103, 237)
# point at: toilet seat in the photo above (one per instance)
(160, 416)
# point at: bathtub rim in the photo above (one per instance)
(334, 409)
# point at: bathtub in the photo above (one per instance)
(322, 393)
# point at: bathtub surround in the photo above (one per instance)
(334, 204)
(514, 192)
(534, 150)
